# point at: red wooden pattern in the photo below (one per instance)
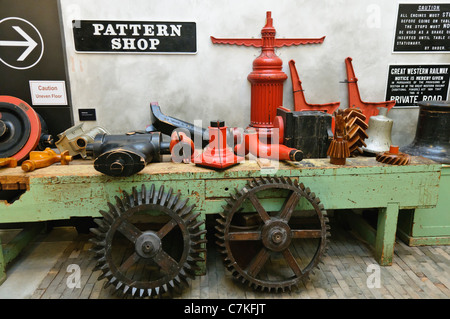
(354, 98)
(267, 76)
(300, 103)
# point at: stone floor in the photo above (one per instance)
(45, 270)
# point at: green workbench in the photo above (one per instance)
(61, 192)
(429, 226)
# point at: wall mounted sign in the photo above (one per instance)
(48, 92)
(423, 28)
(135, 37)
(21, 42)
(32, 56)
(87, 114)
(409, 84)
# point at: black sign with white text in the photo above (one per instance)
(409, 84)
(423, 28)
(134, 37)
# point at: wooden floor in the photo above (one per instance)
(416, 273)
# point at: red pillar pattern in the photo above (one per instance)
(267, 77)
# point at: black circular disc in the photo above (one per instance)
(17, 128)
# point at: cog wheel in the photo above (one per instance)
(393, 157)
(266, 241)
(148, 244)
(355, 127)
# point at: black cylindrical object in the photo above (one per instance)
(125, 155)
(309, 131)
(432, 139)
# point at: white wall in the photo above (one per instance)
(212, 84)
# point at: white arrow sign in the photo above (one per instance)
(29, 43)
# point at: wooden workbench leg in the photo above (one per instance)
(386, 230)
(13, 248)
(2, 264)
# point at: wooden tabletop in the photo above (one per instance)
(16, 178)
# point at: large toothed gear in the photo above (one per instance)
(165, 243)
(267, 247)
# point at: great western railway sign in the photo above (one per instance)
(410, 84)
(134, 37)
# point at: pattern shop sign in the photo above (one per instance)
(134, 37)
(409, 84)
(423, 28)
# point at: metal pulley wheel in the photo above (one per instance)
(20, 128)
(272, 233)
(148, 244)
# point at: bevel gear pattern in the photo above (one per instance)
(173, 273)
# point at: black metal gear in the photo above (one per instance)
(159, 259)
(264, 249)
